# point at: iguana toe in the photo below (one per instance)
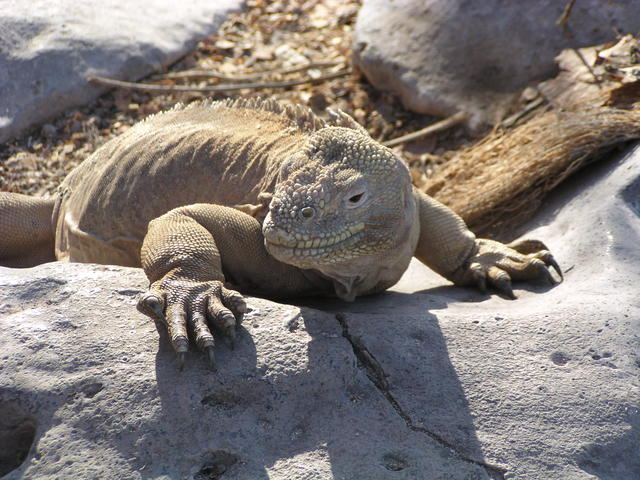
(176, 322)
(552, 262)
(546, 257)
(478, 277)
(152, 306)
(527, 245)
(501, 281)
(193, 309)
(497, 264)
(203, 337)
(540, 270)
(537, 249)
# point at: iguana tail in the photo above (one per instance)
(26, 230)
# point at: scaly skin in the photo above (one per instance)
(343, 206)
(266, 199)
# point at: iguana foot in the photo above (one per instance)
(191, 306)
(497, 264)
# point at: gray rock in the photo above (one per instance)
(428, 381)
(47, 49)
(86, 369)
(442, 56)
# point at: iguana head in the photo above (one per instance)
(341, 205)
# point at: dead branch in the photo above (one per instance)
(564, 18)
(500, 181)
(588, 66)
(433, 128)
(148, 87)
(249, 76)
(530, 107)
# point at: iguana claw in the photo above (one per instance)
(502, 282)
(211, 358)
(552, 263)
(181, 358)
(507, 290)
(498, 264)
(547, 274)
(230, 335)
(152, 306)
(537, 249)
(200, 305)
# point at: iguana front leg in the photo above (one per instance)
(258, 211)
(186, 255)
(448, 247)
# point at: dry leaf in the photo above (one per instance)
(225, 44)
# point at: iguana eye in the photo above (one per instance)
(356, 199)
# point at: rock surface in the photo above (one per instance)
(442, 56)
(108, 402)
(428, 381)
(47, 49)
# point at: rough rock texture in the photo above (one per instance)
(441, 56)
(440, 383)
(108, 402)
(47, 49)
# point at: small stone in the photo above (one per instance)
(49, 131)
(559, 358)
(76, 126)
(318, 101)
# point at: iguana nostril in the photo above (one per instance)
(307, 212)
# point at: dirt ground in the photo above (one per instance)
(257, 46)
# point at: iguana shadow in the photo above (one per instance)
(402, 334)
(250, 421)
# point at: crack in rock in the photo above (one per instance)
(378, 377)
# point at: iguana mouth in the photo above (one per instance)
(304, 244)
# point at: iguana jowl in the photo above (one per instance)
(267, 199)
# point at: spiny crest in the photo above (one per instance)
(340, 119)
(302, 116)
(350, 148)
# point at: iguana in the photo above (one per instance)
(258, 197)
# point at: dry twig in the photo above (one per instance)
(530, 107)
(564, 18)
(433, 128)
(249, 76)
(588, 66)
(147, 87)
